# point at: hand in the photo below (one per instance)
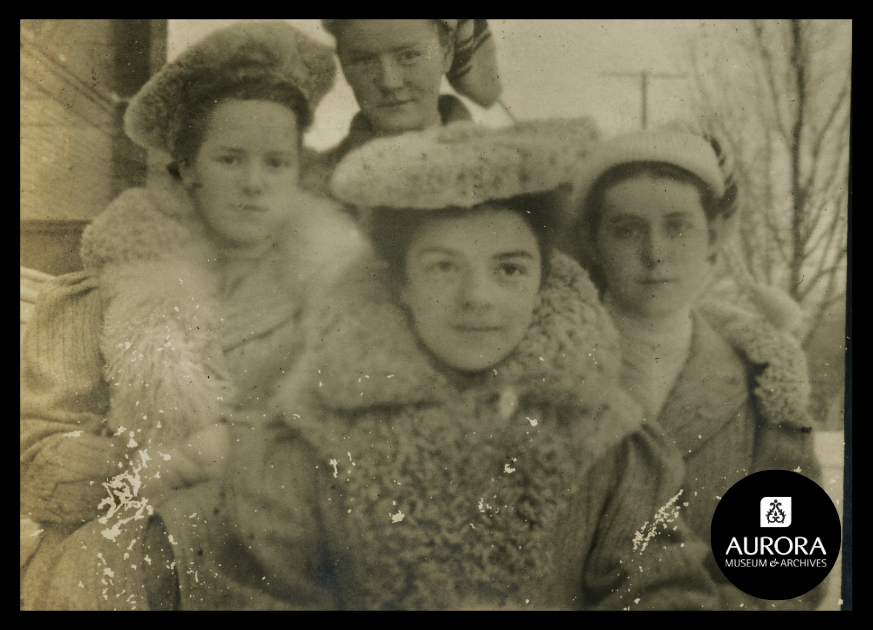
(207, 448)
(198, 458)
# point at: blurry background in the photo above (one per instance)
(777, 92)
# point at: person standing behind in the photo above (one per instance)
(395, 69)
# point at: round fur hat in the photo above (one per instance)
(675, 144)
(463, 164)
(245, 51)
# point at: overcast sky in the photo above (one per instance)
(549, 68)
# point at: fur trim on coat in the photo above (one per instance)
(164, 328)
(782, 388)
(454, 494)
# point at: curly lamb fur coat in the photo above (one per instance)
(384, 485)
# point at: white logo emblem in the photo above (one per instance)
(775, 511)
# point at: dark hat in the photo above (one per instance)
(272, 51)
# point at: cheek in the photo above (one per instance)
(427, 79)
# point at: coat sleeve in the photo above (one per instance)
(65, 452)
(643, 555)
(272, 510)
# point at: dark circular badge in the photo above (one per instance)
(776, 534)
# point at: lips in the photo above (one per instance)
(657, 281)
(389, 104)
(250, 207)
(477, 329)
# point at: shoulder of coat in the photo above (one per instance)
(139, 223)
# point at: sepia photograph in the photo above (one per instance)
(435, 314)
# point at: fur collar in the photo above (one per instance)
(365, 353)
(782, 378)
(165, 327)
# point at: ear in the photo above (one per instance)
(717, 235)
(449, 58)
(403, 293)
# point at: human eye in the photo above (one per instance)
(512, 269)
(278, 162)
(409, 57)
(227, 159)
(626, 230)
(678, 226)
(358, 61)
(441, 266)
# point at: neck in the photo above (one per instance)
(432, 122)
(633, 325)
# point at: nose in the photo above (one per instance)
(253, 178)
(476, 290)
(391, 74)
(654, 248)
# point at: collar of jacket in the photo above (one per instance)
(781, 375)
(365, 354)
(165, 327)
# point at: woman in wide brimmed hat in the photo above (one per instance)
(728, 387)
(455, 436)
(395, 69)
(189, 303)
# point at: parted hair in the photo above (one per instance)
(392, 230)
(204, 97)
(587, 223)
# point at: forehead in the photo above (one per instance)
(251, 122)
(384, 35)
(480, 233)
(651, 198)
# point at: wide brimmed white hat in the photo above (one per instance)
(463, 164)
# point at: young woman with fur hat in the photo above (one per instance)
(191, 298)
(727, 387)
(395, 69)
(455, 437)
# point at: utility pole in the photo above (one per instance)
(644, 76)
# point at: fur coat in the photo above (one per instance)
(385, 484)
(167, 322)
(147, 345)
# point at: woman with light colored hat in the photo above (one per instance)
(455, 437)
(395, 69)
(727, 387)
(188, 308)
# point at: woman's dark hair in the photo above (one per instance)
(206, 94)
(392, 230)
(589, 215)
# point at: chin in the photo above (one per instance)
(397, 123)
(471, 365)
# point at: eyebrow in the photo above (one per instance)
(238, 150)
(521, 253)
(517, 254)
(354, 52)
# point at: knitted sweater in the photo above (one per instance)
(149, 344)
(385, 485)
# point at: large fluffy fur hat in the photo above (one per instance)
(272, 51)
(462, 164)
